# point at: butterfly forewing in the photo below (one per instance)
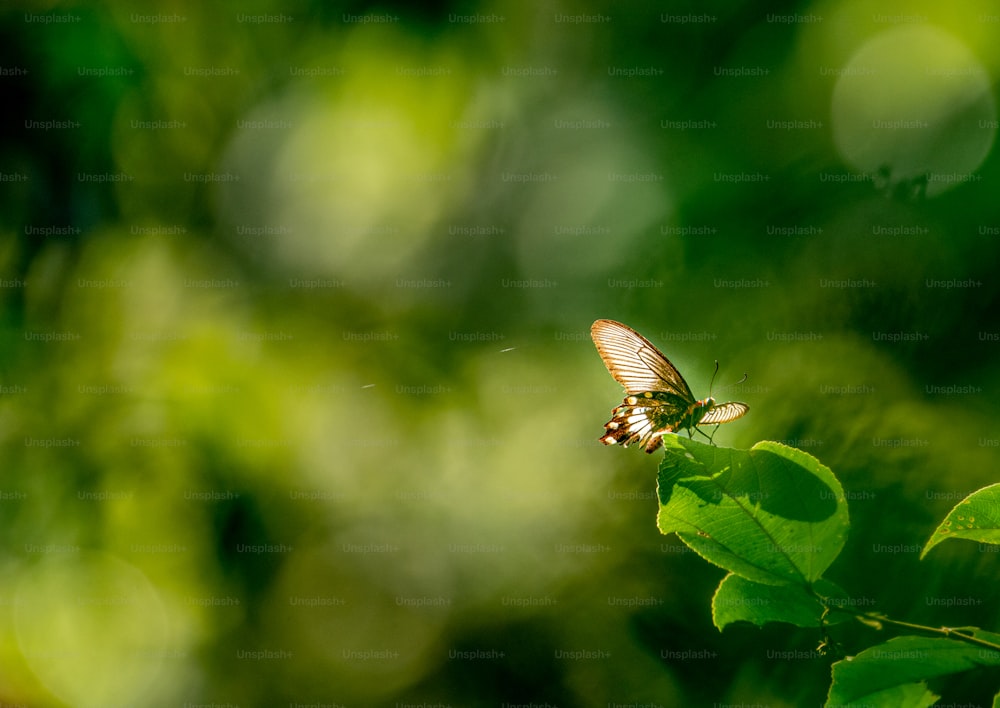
(634, 362)
(724, 413)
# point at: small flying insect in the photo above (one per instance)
(658, 400)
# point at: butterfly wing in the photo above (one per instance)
(723, 413)
(629, 424)
(658, 397)
(645, 419)
(635, 363)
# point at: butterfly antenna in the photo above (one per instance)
(711, 384)
(745, 377)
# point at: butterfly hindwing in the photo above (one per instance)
(644, 419)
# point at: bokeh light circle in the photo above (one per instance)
(914, 105)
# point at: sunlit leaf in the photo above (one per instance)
(771, 514)
(975, 518)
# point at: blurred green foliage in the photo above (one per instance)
(297, 402)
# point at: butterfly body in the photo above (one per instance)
(658, 400)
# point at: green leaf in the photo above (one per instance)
(740, 600)
(883, 674)
(912, 695)
(772, 514)
(975, 518)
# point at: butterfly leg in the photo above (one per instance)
(710, 437)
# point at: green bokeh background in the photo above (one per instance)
(297, 397)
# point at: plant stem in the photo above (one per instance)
(874, 617)
(949, 632)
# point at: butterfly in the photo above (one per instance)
(658, 400)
